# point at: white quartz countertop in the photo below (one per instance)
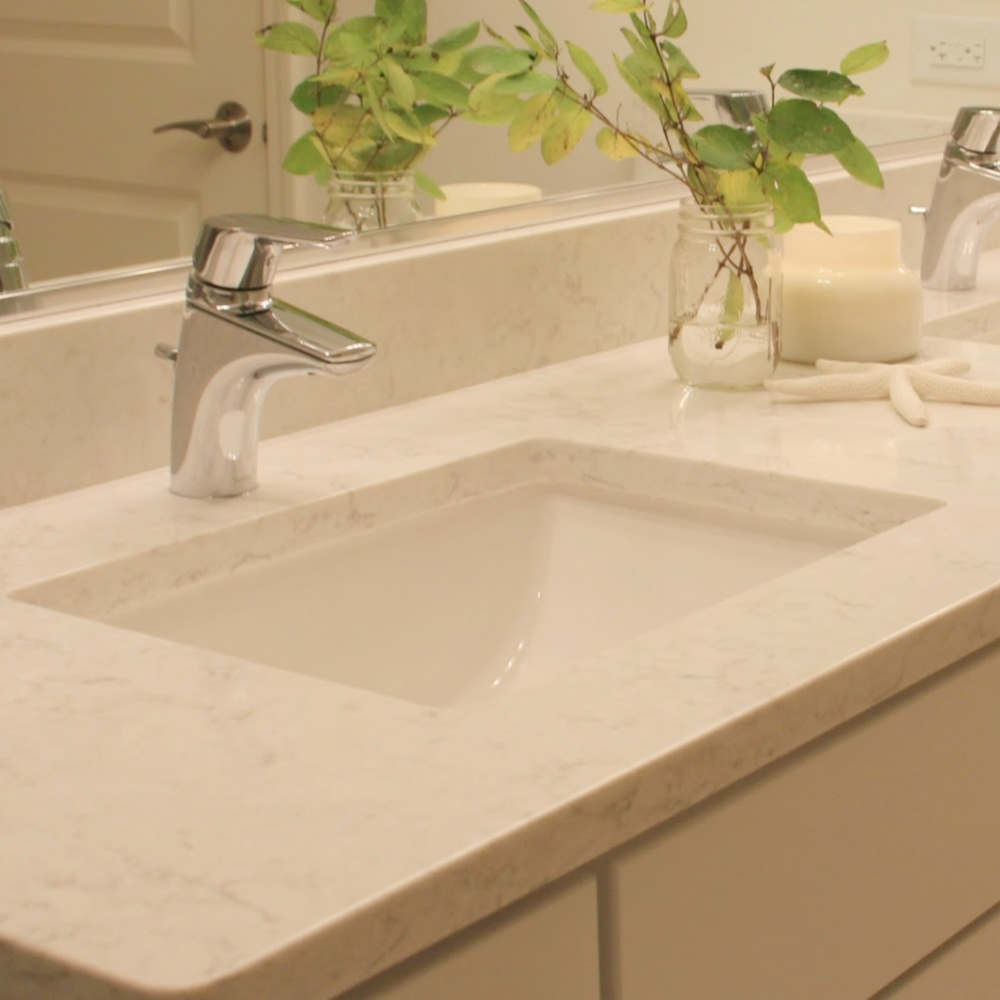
(180, 823)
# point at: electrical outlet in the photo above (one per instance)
(948, 52)
(960, 50)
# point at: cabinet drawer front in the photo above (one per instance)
(831, 873)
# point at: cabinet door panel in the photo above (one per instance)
(832, 873)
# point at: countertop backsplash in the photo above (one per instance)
(83, 399)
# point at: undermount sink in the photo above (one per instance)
(463, 582)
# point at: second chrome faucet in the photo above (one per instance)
(236, 340)
(966, 200)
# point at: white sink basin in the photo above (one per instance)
(475, 596)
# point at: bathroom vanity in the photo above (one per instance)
(780, 784)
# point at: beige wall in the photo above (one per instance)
(728, 41)
(808, 33)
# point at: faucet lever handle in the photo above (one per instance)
(977, 130)
(240, 252)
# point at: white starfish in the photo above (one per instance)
(903, 384)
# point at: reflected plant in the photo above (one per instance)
(380, 94)
(726, 169)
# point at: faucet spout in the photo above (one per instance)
(235, 343)
(966, 201)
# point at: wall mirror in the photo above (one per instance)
(92, 188)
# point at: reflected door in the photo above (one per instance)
(84, 83)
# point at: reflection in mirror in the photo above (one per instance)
(93, 188)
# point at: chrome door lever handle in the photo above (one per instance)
(230, 128)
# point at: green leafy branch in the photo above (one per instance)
(380, 94)
(727, 169)
(721, 165)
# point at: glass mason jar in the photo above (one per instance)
(371, 201)
(725, 296)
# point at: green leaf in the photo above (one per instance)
(618, 6)
(532, 119)
(724, 147)
(303, 157)
(818, 85)
(529, 39)
(405, 129)
(450, 63)
(427, 185)
(586, 64)
(495, 109)
(337, 124)
(678, 64)
(441, 90)
(389, 10)
(364, 28)
(739, 188)
(864, 58)
(457, 38)
(857, 159)
(319, 10)
(527, 83)
(614, 145)
(491, 59)
(374, 107)
(397, 155)
(400, 84)
(483, 91)
(675, 23)
(788, 189)
(415, 17)
(545, 37)
(803, 127)
(644, 59)
(734, 301)
(403, 20)
(644, 31)
(562, 136)
(639, 84)
(309, 95)
(352, 44)
(427, 114)
(289, 36)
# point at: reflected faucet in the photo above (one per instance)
(723, 106)
(236, 341)
(966, 201)
(12, 277)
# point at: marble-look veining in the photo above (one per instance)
(181, 823)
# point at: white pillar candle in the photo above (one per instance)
(848, 296)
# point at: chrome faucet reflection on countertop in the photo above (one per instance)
(12, 277)
(235, 342)
(966, 200)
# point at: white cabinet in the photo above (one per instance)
(829, 874)
(544, 949)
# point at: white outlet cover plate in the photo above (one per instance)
(957, 50)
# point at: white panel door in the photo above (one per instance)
(84, 83)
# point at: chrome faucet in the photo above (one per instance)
(728, 106)
(12, 278)
(966, 201)
(235, 342)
